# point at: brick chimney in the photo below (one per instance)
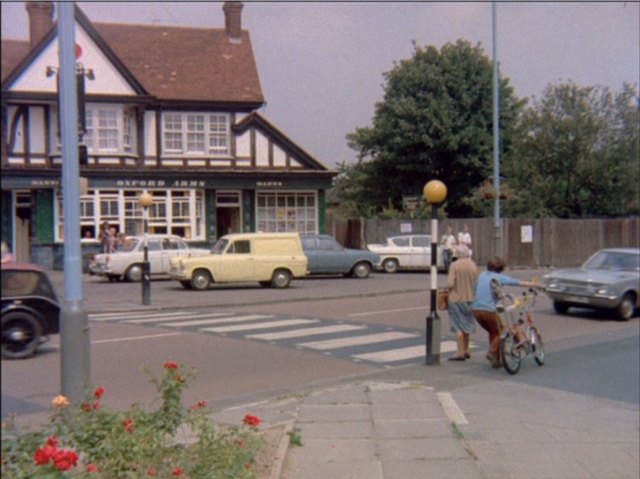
(40, 20)
(233, 20)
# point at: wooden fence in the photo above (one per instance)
(524, 243)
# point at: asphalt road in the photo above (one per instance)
(587, 353)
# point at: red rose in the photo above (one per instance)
(65, 460)
(44, 454)
(86, 407)
(52, 441)
(199, 405)
(92, 468)
(98, 393)
(95, 406)
(171, 365)
(128, 425)
(176, 472)
(152, 472)
(251, 420)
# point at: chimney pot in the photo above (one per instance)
(40, 20)
(233, 20)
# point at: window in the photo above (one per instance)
(196, 133)
(179, 212)
(283, 212)
(240, 247)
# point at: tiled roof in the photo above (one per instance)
(174, 63)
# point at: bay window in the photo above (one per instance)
(195, 133)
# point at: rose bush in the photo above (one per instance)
(89, 441)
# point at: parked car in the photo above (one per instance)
(327, 256)
(411, 251)
(30, 309)
(271, 259)
(609, 279)
(126, 263)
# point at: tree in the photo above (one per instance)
(435, 122)
(577, 154)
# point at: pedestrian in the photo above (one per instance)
(105, 237)
(448, 243)
(464, 237)
(461, 286)
(122, 239)
(485, 302)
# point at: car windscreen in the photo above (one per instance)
(129, 245)
(25, 283)
(614, 260)
(220, 246)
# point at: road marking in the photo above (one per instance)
(229, 319)
(133, 338)
(393, 355)
(186, 317)
(127, 314)
(373, 313)
(265, 325)
(357, 340)
(300, 333)
(451, 409)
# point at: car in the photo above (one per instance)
(410, 251)
(327, 256)
(609, 279)
(271, 259)
(30, 309)
(126, 263)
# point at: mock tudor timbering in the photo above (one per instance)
(172, 111)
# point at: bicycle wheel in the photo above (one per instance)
(537, 346)
(510, 354)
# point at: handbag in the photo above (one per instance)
(442, 300)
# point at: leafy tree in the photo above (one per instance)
(435, 122)
(577, 154)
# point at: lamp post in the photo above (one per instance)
(434, 193)
(145, 201)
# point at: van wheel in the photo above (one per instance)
(281, 279)
(361, 270)
(186, 284)
(390, 265)
(265, 284)
(201, 280)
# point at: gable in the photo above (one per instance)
(108, 80)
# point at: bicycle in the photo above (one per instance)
(520, 337)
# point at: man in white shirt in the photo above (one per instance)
(448, 243)
(464, 238)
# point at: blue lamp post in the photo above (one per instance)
(434, 192)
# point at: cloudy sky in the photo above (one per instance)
(321, 63)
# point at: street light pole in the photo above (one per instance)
(145, 201)
(434, 193)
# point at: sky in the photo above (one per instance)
(321, 64)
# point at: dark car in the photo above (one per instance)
(327, 256)
(30, 309)
(610, 279)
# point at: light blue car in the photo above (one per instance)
(327, 256)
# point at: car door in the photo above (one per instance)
(421, 251)
(154, 250)
(237, 263)
(170, 249)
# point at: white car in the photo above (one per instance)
(412, 251)
(126, 263)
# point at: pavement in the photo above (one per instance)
(396, 425)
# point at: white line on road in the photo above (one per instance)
(125, 315)
(228, 319)
(265, 325)
(301, 333)
(129, 338)
(401, 354)
(451, 409)
(373, 313)
(357, 340)
(185, 317)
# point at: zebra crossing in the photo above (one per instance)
(378, 345)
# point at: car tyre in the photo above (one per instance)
(626, 308)
(186, 284)
(281, 279)
(265, 284)
(560, 307)
(134, 273)
(361, 270)
(201, 280)
(390, 265)
(21, 334)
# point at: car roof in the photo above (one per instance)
(622, 250)
(22, 267)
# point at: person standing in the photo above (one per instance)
(448, 243)
(484, 306)
(464, 237)
(461, 285)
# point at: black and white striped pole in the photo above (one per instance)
(434, 192)
(145, 201)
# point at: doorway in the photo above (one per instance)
(228, 213)
(22, 226)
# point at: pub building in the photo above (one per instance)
(172, 111)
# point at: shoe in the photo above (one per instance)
(457, 358)
(467, 356)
